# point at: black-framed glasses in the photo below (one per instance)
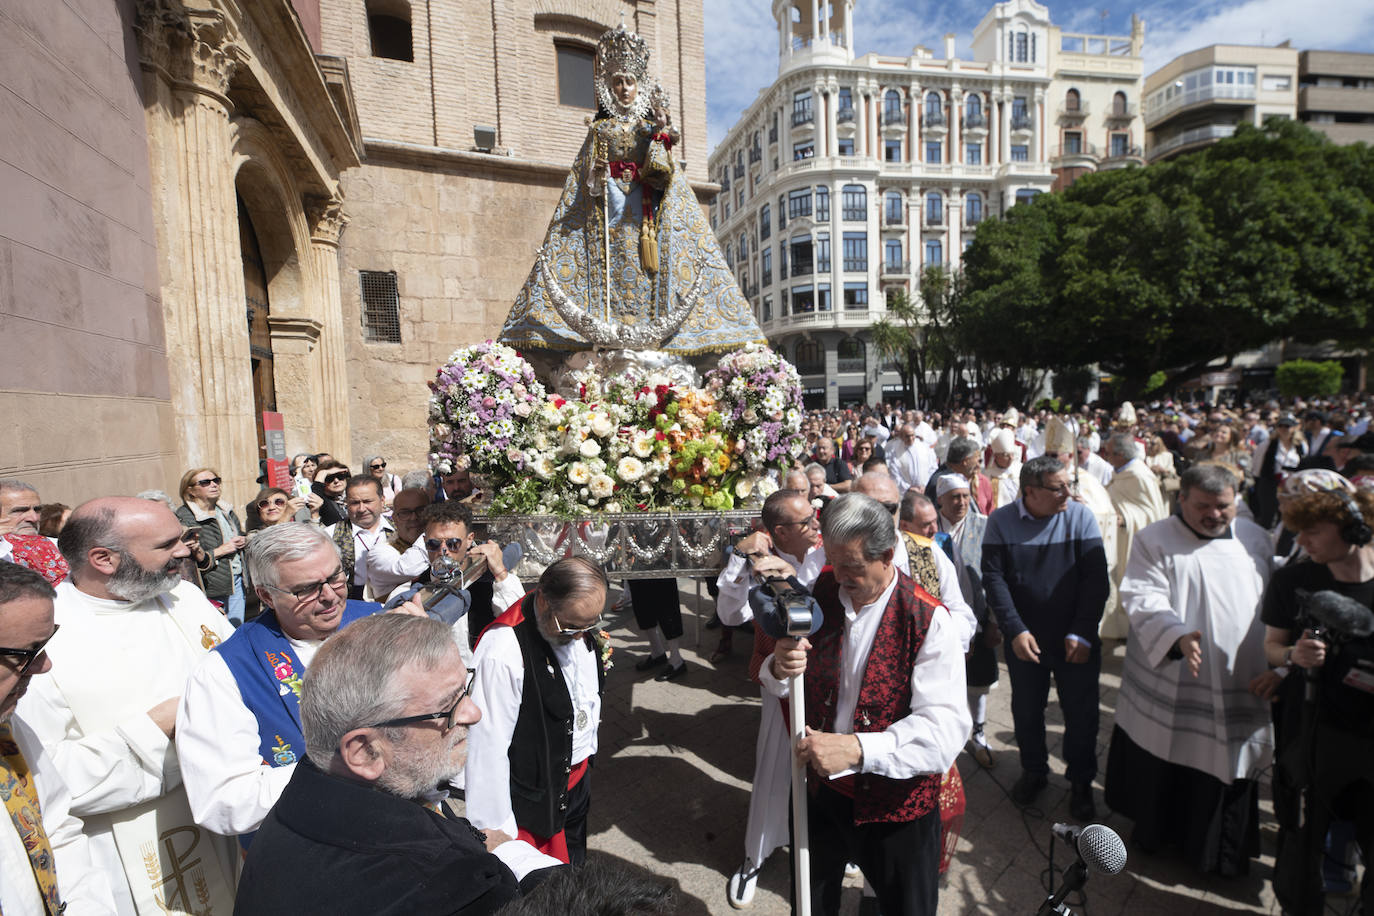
(206, 481)
(446, 716)
(378, 467)
(335, 478)
(570, 632)
(30, 657)
(1062, 490)
(802, 522)
(313, 590)
(433, 544)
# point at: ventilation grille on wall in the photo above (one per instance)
(381, 306)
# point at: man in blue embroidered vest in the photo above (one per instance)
(239, 728)
(539, 680)
(886, 714)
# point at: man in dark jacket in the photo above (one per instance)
(385, 710)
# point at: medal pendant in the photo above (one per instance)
(581, 719)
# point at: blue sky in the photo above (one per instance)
(742, 41)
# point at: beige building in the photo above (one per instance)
(1336, 94)
(471, 113)
(169, 240)
(851, 174)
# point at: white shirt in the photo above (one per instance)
(83, 887)
(927, 739)
(112, 662)
(497, 691)
(913, 466)
(388, 569)
(734, 582)
(503, 594)
(925, 433)
(227, 785)
(951, 596)
(365, 541)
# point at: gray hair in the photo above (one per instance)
(854, 516)
(1209, 478)
(10, 485)
(796, 472)
(282, 544)
(569, 578)
(960, 448)
(1124, 444)
(912, 499)
(417, 480)
(157, 496)
(351, 683)
(814, 467)
(367, 462)
(1034, 472)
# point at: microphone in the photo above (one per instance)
(1099, 847)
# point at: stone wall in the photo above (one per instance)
(84, 392)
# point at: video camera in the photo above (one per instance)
(780, 605)
(1345, 626)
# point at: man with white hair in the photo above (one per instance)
(239, 734)
(1091, 462)
(360, 827)
(20, 541)
(131, 632)
(909, 460)
(1134, 491)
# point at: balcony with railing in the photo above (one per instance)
(894, 116)
(897, 218)
(1075, 110)
(933, 120)
(739, 170)
(804, 269)
(772, 135)
(755, 155)
(1216, 92)
(767, 278)
(1022, 121)
(1079, 150)
(1122, 112)
(851, 364)
(1197, 135)
(845, 115)
(1121, 155)
(896, 269)
(803, 116)
(975, 121)
(934, 218)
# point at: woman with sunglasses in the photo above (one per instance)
(221, 536)
(272, 506)
(390, 483)
(331, 482)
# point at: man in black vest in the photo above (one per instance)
(539, 679)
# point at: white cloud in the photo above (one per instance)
(1337, 25)
(741, 59)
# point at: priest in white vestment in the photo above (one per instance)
(1190, 737)
(1003, 468)
(131, 631)
(1135, 493)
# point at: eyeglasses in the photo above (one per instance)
(1062, 490)
(335, 478)
(275, 503)
(447, 715)
(377, 467)
(206, 481)
(574, 631)
(30, 656)
(803, 522)
(406, 513)
(313, 590)
(433, 544)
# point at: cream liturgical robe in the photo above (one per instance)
(112, 661)
(1177, 583)
(1135, 493)
(1094, 496)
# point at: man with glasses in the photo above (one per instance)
(47, 864)
(131, 632)
(239, 733)
(360, 827)
(1045, 573)
(365, 529)
(396, 560)
(539, 680)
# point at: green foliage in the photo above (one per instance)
(1154, 382)
(1305, 378)
(1163, 269)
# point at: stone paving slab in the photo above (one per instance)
(670, 794)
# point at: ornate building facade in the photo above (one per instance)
(850, 175)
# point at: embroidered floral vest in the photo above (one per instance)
(884, 693)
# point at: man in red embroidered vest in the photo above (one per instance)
(886, 714)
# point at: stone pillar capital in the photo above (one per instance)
(326, 218)
(193, 48)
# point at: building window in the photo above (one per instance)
(935, 209)
(973, 153)
(1020, 152)
(973, 208)
(801, 108)
(933, 151)
(934, 112)
(765, 222)
(729, 253)
(892, 255)
(822, 204)
(1120, 145)
(576, 82)
(844, 105)
(766, 266)
(381, 306)
(1026, 195)
(855, 251)
(849, 354)
(1021, 47)
(1271, 83)
(388, 28)
(804, 150)
(767, 308)
(823, 254)
(856, 296)
(802, 265)
(934, 253)
(782, 213)
(782, 265)
(1073, 143)
(892, 150)
(803, 300)
(822, 297)
(892, 107)
(1119, 104)
(810, 360)
(854, 203)
(973, 110)
(1072, 100)
(892, 208)
(799, 203)
(845, 146)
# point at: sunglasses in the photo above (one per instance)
(30, 656)
(336, 478)
(433, 544)
(274, 503)
(378, 467)
(447, 715)
(205, 482)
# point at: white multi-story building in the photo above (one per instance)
(847, 176)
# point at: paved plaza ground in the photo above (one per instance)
(671, 792)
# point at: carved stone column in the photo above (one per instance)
(188, 58)
(327, 221)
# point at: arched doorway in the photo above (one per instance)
(258, 307)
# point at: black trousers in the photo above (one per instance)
(656, 604)
(575, 826)
(901, 862)
(1077, 685)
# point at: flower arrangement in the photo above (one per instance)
(634, 442)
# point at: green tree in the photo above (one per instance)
(1170, 267)
(1305, 378)
(899, 337)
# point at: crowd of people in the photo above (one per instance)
(196, 698)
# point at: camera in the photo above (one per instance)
(781, 606)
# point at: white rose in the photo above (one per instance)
(629, 468)
(601, 486)
(522, 409)
(589, 448)
(642, 445)
(767, 487)
(749, 416)
(743, 487)
(543, 467)
(601, 425)
(579, 473)
(611, 507)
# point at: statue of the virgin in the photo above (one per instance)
(629, 261)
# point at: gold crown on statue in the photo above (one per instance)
(621, 51)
